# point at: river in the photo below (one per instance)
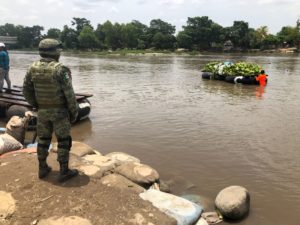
(201, 135)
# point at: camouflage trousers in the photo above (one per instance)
(57, 121)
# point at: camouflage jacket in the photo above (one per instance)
(48, 84)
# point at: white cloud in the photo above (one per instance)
(56, 13)
(171, 2)
(82, 10)
(114, 10)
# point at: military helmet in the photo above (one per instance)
(50, 47)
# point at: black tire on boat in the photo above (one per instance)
(84, 110)
(248, 80)
(218, 77)
(230, 79)
(207, 75)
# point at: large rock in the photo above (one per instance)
(184, 211)
(120, 158)
(233, 202)
(78, 148)
(138, 173)
(7, 205)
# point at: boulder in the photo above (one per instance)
(120, 158)
(71, 220)
(164, 186)
(138, 173)
(120, 182)
(184, 211)
(7, 205)
(233, 202)
(78, 148)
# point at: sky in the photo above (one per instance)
(56, 13)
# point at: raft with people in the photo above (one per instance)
(13, 103)
(236, 73)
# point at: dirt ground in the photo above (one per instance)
(84, 197)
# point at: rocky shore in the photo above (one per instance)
(113, 189)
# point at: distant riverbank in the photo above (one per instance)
(155, 52)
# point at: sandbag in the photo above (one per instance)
(138, 173)
(78, 148)
(184, 211)
(120, 158)
(8, 144)
(104, 163)
(16, 127)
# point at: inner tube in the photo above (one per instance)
(248, 80)
(84, 110)
(238, 79)
(230, 79)
(241, 80)
(207, 75)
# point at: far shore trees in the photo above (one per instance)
(199, 33)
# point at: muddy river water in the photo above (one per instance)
(201, 135)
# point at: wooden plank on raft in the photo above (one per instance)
(18, 88)
(14, 102)
(19, 97)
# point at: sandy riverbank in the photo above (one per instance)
(85, 197)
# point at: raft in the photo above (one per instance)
(14, 104)
(250, 80)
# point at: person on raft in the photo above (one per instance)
(262, 78)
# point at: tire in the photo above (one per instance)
(230, 79)
(207, 75)
(249, 80)
(218, 77)
(84, 110)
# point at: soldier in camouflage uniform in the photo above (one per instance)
(48, 88)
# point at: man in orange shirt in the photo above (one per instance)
(262, 78)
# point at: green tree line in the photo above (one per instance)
(199, 33)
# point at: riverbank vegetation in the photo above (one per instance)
(199, 34)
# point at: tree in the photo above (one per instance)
(69, 37)
(53, 33)
(80, 23)
(87, 38)
(258, 36)
(239, 34)
(30, 36)
(160, 31)
(184, 40)
(202, 32)
(288, 36)
(9, 30)
(133, 34)
(113, 35)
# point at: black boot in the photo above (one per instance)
(65, 173)
(44, 169)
